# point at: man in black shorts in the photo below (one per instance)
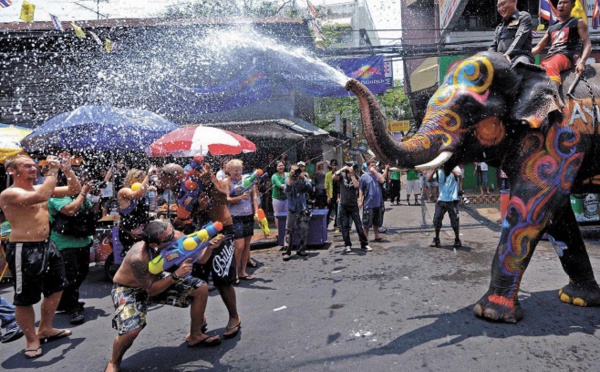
(205, 203)
(135, 288)
(35, 262)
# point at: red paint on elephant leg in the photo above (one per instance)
(502, 301)
(490, 131)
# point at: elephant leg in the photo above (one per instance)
(522, 229)
(565, 236)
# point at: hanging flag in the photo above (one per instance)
(56, 22)
(5, 3)
(27, 11)
(96, 38)
(108, 45)
(548, 11)
(578, 11)
(78, 31)
(311, 9)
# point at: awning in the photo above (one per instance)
(291, 129)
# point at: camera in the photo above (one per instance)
(297, 173)
(354, 166)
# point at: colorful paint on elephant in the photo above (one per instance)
(548, 170)
(442, 122)
(488, 110)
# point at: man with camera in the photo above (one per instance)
(349, 210)
(370, 198)
(73, 223)
(297, 187)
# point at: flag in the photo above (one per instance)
(108, 45)
(27, 11)
(548, 11)
(5, 3)
(311, 9)
(596, 15)
(56, 22)
(96, 38)
(578, 11)
(78, 31)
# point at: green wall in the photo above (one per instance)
(470, 180)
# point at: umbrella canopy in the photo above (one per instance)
(200, 140)
(99, 128)
(10, 138)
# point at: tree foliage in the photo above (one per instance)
(393, 102)
(232, 8)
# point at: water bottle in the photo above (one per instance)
(151, 196)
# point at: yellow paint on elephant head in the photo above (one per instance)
(189, 244)
(475, 73)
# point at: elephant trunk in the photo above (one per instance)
(408, 154)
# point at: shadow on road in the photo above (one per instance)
(540, 319)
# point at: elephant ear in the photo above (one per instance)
(537, 98)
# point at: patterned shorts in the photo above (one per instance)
(131, 304)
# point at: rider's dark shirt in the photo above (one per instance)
(564, 38)
(513, 36)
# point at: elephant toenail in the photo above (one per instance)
(490, 314)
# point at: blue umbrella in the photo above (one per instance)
(99, 128)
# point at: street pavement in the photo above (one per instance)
(403, 307)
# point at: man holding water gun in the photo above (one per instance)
(202, 198)
(135, 288)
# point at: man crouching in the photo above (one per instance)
(135, 288)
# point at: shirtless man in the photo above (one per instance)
(208, 204)
(36, 263)
(135, 288)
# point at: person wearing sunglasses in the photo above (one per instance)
(135, 288)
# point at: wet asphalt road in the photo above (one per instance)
(403, 307)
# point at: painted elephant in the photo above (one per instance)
(510, 117)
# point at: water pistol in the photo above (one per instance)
(262, 222)
(190, 187)
(248, 180)
(188, 246)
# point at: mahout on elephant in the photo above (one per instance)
(510, 117)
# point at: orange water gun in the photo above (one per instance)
(261, 218)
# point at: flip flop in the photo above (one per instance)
(62, 334)
(252, 263)
(378, 239)
(204, 342)
(41, 352)
(247, 277)
(235, 327)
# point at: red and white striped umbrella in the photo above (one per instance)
(200, 140)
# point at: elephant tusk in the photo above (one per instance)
(443, 157)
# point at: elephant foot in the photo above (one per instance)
(498, 308)
(580, 294)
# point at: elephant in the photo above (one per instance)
(511, 117)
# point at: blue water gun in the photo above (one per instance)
(248, 180)
(188, 246)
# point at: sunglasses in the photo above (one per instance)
(168, 238)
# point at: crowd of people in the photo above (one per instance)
(63, 205)
(52, 212)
